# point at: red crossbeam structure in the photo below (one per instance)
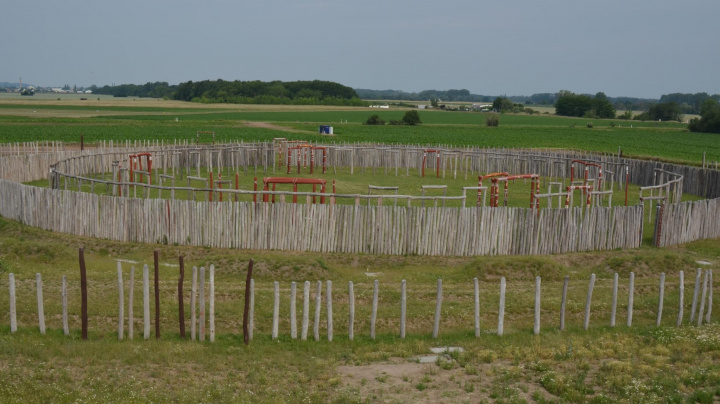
(495, 188)
(586, 191)
(587, 165)
(136, 163)
(484, 177)
(267, 181)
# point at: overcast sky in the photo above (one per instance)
(621, 47)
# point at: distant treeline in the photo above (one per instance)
(314, 92)
(689, 103)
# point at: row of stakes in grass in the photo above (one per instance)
(702, 295)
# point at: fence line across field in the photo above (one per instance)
(203, 293)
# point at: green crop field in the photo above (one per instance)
(641, 363)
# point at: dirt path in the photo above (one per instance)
(266, 125)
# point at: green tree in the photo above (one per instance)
(502, 104)
(374, 120)
(434, 102)
(665, 111)
(709, 121)
(411, 118)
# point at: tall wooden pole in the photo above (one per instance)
(246, 336)
(181, 302)
(156, 258)
(83, 294)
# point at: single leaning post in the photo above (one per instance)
(563, 303)
(351, 311)
(477, 307)
(536, 324)
(373, 314)
(193, 304)
(181, 301)
(682, 299)
(403, 307)
(501, 307)
(156, 259)
(702, 299)
(710, 296)
(146, 302)
(276, 310)
(696, 293)
(212, 303)
(293, 310)
(438, 307)
(66, 327)
(631, 297)
(660, 299)
(329, 311)
(121, 303)
(588, 301)
(131, 300)
(306, 311)
(13, 310)
(201, 316)
(246, 311)
(613, 310)
(83, 293)
(318, 301)
(40, 306)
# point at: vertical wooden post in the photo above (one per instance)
(631, 298)
(306, 311)
(696, 293)
(83, 293)
(563, 303)
(193, 304)
(501, 307)
(181, 301)
(131, 300)
(710, 296)
(121, 303)
(156, 259)
(681, 291)
(146, 301)
(40, 306)
(477, 304)
(293, 310)
(251, 314)
(373, 313)
(13, 309)
(536, 325)
(702, 299)
(613, 310)
(660, 299)
(351, 311)
(588, 301)
(403, 307)
(329, 311)
(318, 301)
(66, 327)
(212, 303)
(201, 316)
(438, 306)
(276, 310)
(246, 311)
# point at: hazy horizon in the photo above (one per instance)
(637, 49)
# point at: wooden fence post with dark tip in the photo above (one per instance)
(246, 336)
(563, 303)
(477, 307)
(631, 298)
(403, 307)
(660, 299)
(121, 303)
(181, 301)
(373, 313)
(501, 308)
(696, 293)
(710, 296)
(536, 324)
(681, 292)
(83, 294)
(702, 299)
(251, 315)
(588, 302)
(156, 259)
(613, 309)
(438, 307)
(40, 305)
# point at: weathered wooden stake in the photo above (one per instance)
(438, 306)
(682, 299)
(246, 311)
(696, 294)
(181, 301)
(318, 301)
(702, 299)
(306, 311)
(156, 259)
(193, 304)
(710, 296)
(563, 303)
(40, 306)
(121, 303)
(146, 301)
(403, 307)
(501, 307)
(660, 299)
(212, 303)
(293, 310)
(373, 314)
(477, 307)
(351, 311)
(536, 325)
(13, 310)
(83, 293)
(251, 315)
(588, 301)
(201, 316)
(329, 311)
(613, 310)
(276, 310)
(631, 298)
(66, 327)
(131, 301)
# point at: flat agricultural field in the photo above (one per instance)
(640, 362)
